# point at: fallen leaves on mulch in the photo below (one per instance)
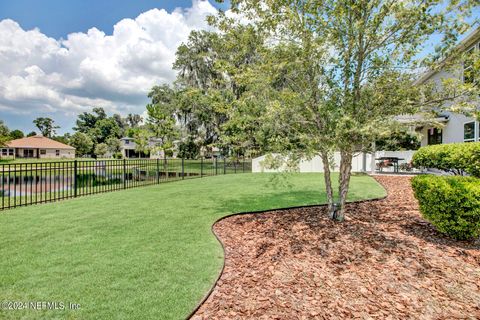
(384, 262)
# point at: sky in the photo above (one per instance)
(59, 58)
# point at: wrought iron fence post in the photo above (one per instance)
(215, 163)
(243, 165)
(224, 165)
(158, 170)
(124, 173)
(75, 185)
(201, 167)
(183, 168)
(165, 167)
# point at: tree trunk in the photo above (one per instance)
(328, 182)
(344, 181)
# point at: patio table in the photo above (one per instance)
(393, 160)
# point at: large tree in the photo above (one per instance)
(86, 120)
(350, 73)
(46, 126)
(104, 129)
(210, 69)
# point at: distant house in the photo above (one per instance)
(457, 127)
(36, 147)
(128, 148)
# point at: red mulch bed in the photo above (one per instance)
(385, 262)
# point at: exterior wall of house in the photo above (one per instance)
(63, 153)
(46, 153)
(7, 153)
(453, 132)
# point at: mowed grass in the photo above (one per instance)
(144, 253)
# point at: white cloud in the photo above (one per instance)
(42, 74)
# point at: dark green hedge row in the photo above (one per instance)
(451, 204)
(458, 158)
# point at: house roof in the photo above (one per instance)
(463, 45)
(37, 142)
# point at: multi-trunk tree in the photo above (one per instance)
(346, 72)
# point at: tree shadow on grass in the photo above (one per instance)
(263, 202)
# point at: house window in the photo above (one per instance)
(10, 152)
(43, 151)
(469, 132)
(434, 136)
(127, 141)
(57, 152)
(4, 152)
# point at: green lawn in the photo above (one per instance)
(144, 253)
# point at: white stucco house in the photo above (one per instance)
(457, 127)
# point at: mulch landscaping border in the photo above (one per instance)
(207, 295)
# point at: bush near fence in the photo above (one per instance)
(456, 158)
(451, 204)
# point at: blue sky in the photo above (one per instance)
(58, 18)
(59, 58)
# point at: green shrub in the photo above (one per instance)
(457, 158)
(451, 204)
(117, 155)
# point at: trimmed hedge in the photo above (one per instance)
(451, 204)
(457, 158)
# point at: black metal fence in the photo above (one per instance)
(29, 183)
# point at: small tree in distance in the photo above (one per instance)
(82, 143)
(101, 150)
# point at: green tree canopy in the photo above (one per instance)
(16, 134)
(87, 121)
(82, 143)
(46, 126)
(101, 150)
(342, 71)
